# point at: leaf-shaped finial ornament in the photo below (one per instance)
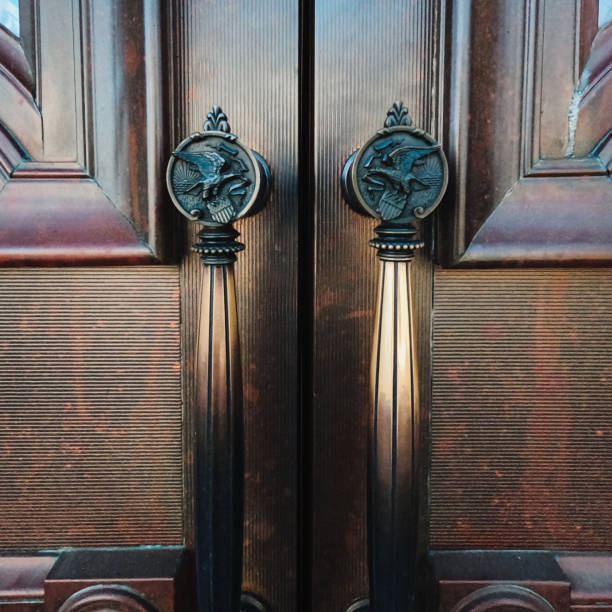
(397, 115)
(216, 120)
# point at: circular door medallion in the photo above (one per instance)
(212, 178)
(399, 174)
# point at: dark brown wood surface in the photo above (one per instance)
(244, 57)
(365, 58)
(520, 357)
(521, 419)
(90, 407)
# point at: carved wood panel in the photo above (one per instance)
(83, 141)
(529, 152)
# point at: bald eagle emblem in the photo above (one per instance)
(217, 176)
(404, 176)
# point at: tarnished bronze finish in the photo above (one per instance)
(363, 605)
(399, 175)
(251, 603)
(214, 180)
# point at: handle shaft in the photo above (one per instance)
(398, 176)
(214, 179)
(219, 445)
(393, 451)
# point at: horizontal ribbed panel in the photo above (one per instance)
(522, 409)
(90, 407)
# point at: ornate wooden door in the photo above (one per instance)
(101, 296)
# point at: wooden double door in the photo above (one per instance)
(497, 317)
(511, 293)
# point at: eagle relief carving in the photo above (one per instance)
(212, 177)
(399, 175)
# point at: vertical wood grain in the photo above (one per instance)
(243, 56)
(367, 55)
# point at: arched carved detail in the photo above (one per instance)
(589, 112)
(81, 143)
(521, 195)
(107, 598)
(19, 113)
(506, 597)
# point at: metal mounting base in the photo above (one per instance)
(251, 603)
(363, 605)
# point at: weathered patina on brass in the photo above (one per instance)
(213, 178)
(398, 176)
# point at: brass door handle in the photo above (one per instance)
(214, 179)
(398, 176)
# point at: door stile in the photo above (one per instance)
(306, 290)
(365, 59)
(243, 56)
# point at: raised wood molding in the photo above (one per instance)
(22, 581)
(482, 580)
(88, 578)
(517, 199)
(83, 148)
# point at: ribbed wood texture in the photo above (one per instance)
(243, 56)
(90, 407)
(522, 410)
(367, 55)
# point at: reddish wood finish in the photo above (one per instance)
(596, 97)
(512, 70)
(591, 580)
(90, 108)
(569, 582)
(63, 221)
(521, 420)
(90, 407)
(22, 582)
(161, 575)
(13, 60)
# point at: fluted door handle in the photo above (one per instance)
(398, 176)
(214, 179)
